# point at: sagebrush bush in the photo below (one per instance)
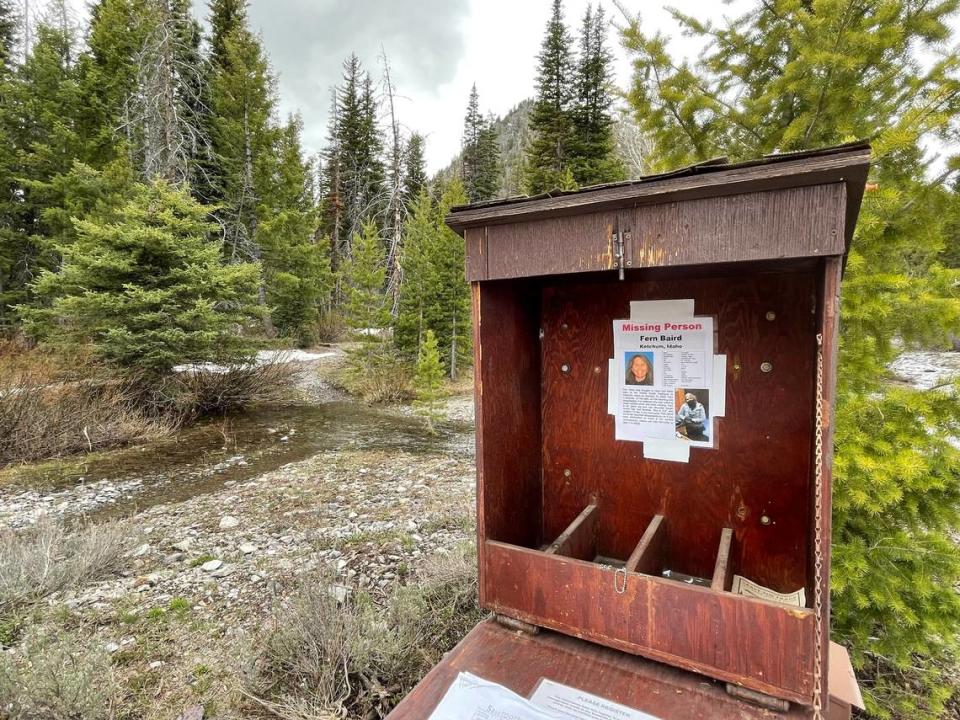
(321, 658)
(49, 558)
(48, 409)
(53, 678)
(206, 390)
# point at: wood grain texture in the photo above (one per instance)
(789, 223)
(723, 569)
(847, 167)
(724, 636)
(579, 540)
(797, 222)
(519, 661)
(762, 463)
(507, 396)
(648, 556)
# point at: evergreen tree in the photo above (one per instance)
(773, 81)
(242, 139)
(551, 123)
(42, 101)
(147, 289)
(296, 265)
(364, 276)
(596, 159)
(226, 18)
(428, 381)
(480, 153)
(434, 294)
(415, 170)
(9, 24)
(108, 77)
(354, 178)
(420, 279)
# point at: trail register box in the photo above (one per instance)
(655, 373)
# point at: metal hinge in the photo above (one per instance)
(620, 239)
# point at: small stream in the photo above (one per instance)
(205, 457)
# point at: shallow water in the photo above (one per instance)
(205, 457)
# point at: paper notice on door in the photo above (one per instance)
(747, 588)
(572, 704)
(472, 698)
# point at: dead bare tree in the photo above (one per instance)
(395, 204)
(166, 134)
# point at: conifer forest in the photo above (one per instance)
(194, 300)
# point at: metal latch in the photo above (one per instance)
(620, 240)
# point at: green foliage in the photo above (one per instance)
(572, 125)
(146, 288)
(434, 294)
(480, 154)
(788, 76)
(414, 171)
(551, 123)
(364, 276)
(296, 263)
(428, 381)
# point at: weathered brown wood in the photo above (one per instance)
(762, 463)
(647, 557)
(828, 312)
(723, 569)
(849, 167)
(806, 222)
(579, 540)
(519, 662)
(506, 326)
(721, 635)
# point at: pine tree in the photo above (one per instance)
(552, 149)
(480, 153)
(364, 276)
(354, 177)
(296, 264)
(242, 138)
(596, 159)
(147, 290)
(108, 77)
(42, 101)
(789, 76)
(428, 381)
(415, 170)
(434, 294)
(9, 25)
(226, 18)
(420, 279)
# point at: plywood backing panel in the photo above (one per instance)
(762, 464)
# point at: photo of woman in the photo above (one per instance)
(639, 368)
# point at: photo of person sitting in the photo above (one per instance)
(692, 419)
(639, 369)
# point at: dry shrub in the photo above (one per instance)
(57, 678)
(207, 390)
(49, 408)
(48, 558)
(330, 328)
(323, 659)
(376, 375)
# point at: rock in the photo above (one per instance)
(340, 593)
(183, 545)
(156, 664)
(193, 712)
(228, 522)
(142, 550)
(222, 572)
(211, 565)
(111, 647)
(247, 548)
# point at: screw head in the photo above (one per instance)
(766, 367)
(771, 315)
(565, 368)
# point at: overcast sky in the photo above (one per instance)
(437, 50)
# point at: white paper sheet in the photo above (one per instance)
(612, 385)
(472, 698)
(719, 401)
(672, 450)
(572, 704)
(667, 309)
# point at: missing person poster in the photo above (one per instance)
(664, 364)
(666, 385)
